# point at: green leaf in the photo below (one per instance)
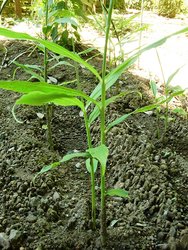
(119, 192)
(61, 63)
(70, 156)
(60, 12)
(178, 93)
(29, 66)
(38, 98)
(51, 46)
(64, 36)
(96, 111)
(45, 169)
(44, 127)
(87, 50)
(113, 223)
(88, 165)
(176, 88)
(172, 76)
(46, 29)
(80, 13)
(26, 87)
(159, 98)
(63, 21)
(65, 83)
(100, 25)
(77, 35)
(118, 121)
(162, 117)
(65, 158)
(170, 119)
(27, 70)
(111, 78)
(86, 2)
(100, 153)
(180, 111)
(161, 41)
(153, 88)
(144, 109)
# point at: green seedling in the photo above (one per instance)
(154, 91)
(39, 93)
(177, 91)
(62, 20)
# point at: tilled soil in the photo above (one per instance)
(55, 214)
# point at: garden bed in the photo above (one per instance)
(56, 212)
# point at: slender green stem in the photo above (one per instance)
(45, 49)
(92, 173)
(158, 131)
(48, 109)
(103, 98)
(140, 36)
(90, 146)
(166, 120)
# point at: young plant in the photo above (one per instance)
(62, 19)
(153, 86)
(39, 93)
(178, 92)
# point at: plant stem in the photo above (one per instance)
(166, 120)
(93, 216)
(48, 109)
(158, 131)
(140, 36)
(103, 98)
(92, 174)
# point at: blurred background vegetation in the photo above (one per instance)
(169, 8)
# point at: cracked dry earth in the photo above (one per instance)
(55, 214)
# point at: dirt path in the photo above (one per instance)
(173, 54)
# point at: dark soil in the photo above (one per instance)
(55, 214)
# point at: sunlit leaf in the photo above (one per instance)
(26, 87)
(96, 111)
(153, 88)
(146, 108)
(162, 41)
(163, 117)
(113, 223)
(51, 46)
(63, 20)
(38, 98)
(87, 50)
(70, 156)
(60, 12)
(172, 76)
(180, 111)
(100, 153)
(88, 165)
(61, 63)
(159, 98)
(65, 158)
(119, 192)
(175, 88)
(111, 78)
(29, 71)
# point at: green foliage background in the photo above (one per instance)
(171, 7)
(118, 4)
(136, 4)
(167, 8)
